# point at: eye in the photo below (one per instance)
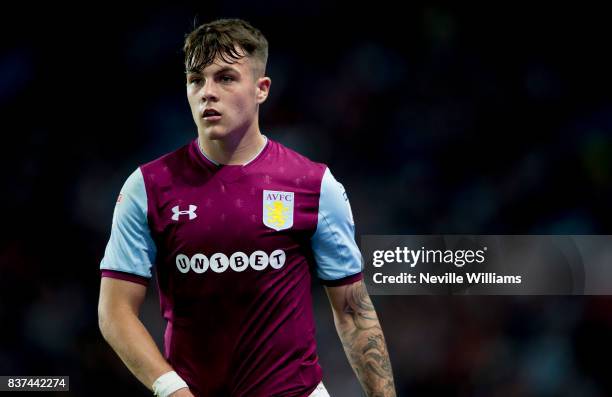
(194, 80)
(227, 79)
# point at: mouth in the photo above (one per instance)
(211, 115)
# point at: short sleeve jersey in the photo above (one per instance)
(234, 248)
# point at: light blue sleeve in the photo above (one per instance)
(130, 248)
(333, 243)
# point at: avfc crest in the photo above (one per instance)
(278, 209)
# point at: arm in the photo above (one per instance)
(131, 250)
(118, 309)
(362, 338)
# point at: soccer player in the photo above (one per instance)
(234, 224)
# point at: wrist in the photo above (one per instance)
(167, 384)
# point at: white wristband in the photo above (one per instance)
(167, 384)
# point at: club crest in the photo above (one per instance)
(278, 209)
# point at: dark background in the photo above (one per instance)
(437, 119)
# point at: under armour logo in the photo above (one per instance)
(191, 212)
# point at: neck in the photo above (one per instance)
(233, 149)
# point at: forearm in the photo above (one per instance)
(126, 334)
(364, 343)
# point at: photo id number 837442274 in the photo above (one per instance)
(49, 383)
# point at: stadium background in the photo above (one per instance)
(437, 119)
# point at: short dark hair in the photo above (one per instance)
(219, 39)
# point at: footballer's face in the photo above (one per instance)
(225, 97)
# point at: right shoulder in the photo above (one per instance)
(161, 170)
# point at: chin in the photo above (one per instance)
(214, 133)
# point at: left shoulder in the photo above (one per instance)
(290, 161)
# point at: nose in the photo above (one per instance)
(209, 91)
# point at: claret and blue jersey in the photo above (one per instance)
(234, 248)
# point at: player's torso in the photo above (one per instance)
(231, 230)
(236, 231)
(233, 266)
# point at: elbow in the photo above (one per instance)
(103, 320)
(107, 318)
(112, 316)
(343, 320)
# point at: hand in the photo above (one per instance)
(184, 392)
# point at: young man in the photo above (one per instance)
(234, 224)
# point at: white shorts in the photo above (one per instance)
(320, 391)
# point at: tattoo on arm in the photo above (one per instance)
(364, 343)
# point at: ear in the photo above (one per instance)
(262, 89)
